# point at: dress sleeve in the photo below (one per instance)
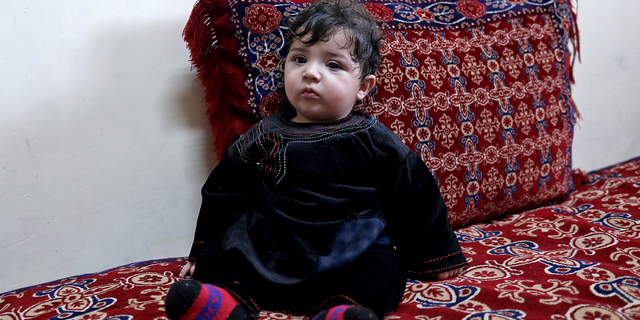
(224, 200)
(418, 224)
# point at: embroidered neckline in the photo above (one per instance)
(265, 145)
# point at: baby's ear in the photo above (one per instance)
(366, 85)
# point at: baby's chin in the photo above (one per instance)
(315, 119)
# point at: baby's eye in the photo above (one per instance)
(299, 59)
(334, 66)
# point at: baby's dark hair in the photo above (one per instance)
(324, 18)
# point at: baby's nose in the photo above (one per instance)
(311, 72)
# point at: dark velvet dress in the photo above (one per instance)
(298, 201)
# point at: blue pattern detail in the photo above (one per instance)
(121, 317)
(594, 178)
(509, 314)
(614, 215)
(459, 294)
(52, 292)
(620, 287)
(528, 252)
(94, 304)
(574, 210)
(482, 235)
(214, 301)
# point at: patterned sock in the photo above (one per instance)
(346, 312)
(192, 300)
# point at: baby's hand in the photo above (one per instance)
(187, 269)
(448, 274)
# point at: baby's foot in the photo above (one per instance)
(192, 300)
(448, 274)
(347, 312)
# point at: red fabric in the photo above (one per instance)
(473, 122)
(198, 305)
(217, 302)
(576, 260)
(479, 89)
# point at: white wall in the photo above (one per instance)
(607, 90)
(103, 144)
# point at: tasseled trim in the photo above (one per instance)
(574, 37)
(219, 69)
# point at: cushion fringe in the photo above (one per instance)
(214, 60)
(574, 37)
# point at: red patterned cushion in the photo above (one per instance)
(480, 89)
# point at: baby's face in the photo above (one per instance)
(322, 81)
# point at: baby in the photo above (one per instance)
(321, 211)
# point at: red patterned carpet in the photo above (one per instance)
(576, 260)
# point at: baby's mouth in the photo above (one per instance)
(308, 92)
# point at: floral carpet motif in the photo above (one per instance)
(579, 259)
